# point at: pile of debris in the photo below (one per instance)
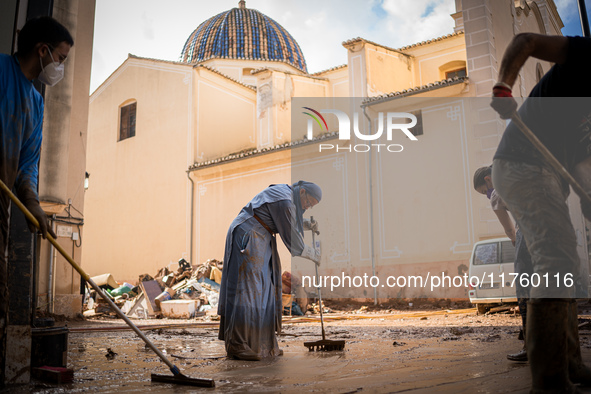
(188, 292)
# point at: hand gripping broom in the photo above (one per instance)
(324, 344)
(178, 377)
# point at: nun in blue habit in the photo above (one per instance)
(250, 306)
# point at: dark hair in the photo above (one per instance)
(480, 174)
(42, 29)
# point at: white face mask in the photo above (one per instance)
(52, 73)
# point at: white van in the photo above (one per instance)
(492, 260)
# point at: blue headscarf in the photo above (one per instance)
(313, 190)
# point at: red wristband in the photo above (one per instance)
(501, 91)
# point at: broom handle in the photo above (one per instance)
(550, 158)
(318, 279)
(85, 276)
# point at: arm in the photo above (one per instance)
(26, 180)
(522, 47)
(283, 214)
(525, 45)
(507, 223)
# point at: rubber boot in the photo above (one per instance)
(520, 356)
(578, 371)
(547, 346)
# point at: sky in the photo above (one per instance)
(159, 29)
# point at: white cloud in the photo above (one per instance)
(147, 27)
(151, 29)
(568, 10)
(411, 22)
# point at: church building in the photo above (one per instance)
(177, 148)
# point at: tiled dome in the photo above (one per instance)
(242, 33)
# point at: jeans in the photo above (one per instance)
(536, 198)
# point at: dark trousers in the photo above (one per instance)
(523, 266)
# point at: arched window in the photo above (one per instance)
(127, 116)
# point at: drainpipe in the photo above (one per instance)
(192, 216)
(371, 234)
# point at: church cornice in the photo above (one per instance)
(250, 153)
(213, 70)
(416, 90)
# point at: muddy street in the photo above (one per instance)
(420, 352)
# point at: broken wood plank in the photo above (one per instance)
(151, 290)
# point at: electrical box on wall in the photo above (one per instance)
(65, 231)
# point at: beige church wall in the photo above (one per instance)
(427, 185)
(387, 70)
(131, 229)
(274, 116)
(338, 82)
(422, 216)
(277, 119)
(484, 133)
(343, 230)
(225, 111)
(432, 61)
(241, 69)
(221, 192)
(309, 87)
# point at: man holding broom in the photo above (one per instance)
(558, 112)
(43, 46)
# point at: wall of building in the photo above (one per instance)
(431, 61)
(221, 192)
(387, 70)
(422, 214)
(339, 82)
(137, 203)
(225, 115)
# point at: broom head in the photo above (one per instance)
(325, 345)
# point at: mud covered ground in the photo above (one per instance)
(418, 351)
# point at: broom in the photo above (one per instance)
(178, 377)
(324, 345)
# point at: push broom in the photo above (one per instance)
(324, 344)
(178, 377)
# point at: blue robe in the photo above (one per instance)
(250, 297)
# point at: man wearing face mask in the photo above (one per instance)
(43, 46)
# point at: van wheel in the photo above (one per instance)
(482, 308)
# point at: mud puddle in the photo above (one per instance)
(444, 354)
